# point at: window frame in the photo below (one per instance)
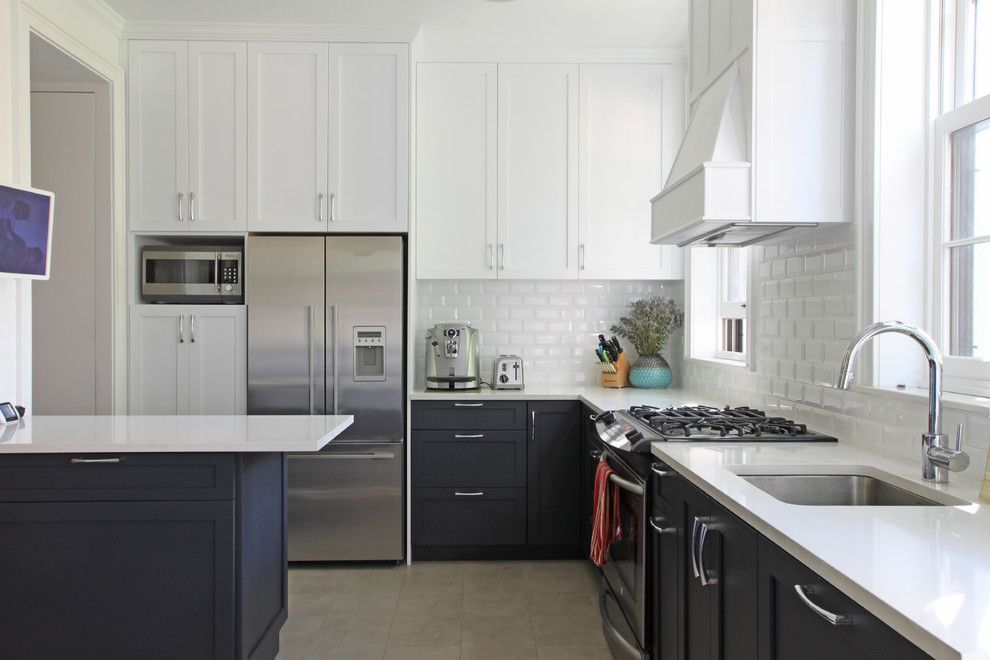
(731, 310)
(965, 375)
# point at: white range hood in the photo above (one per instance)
(708, 196)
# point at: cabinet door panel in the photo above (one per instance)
(217, 136)
(623, 164)
(369, 137)
(145, 569)
(158, 360)
(456, 172)
(157, 135)
(554, 474)
(287, 136)
(537, 170)
(217, 360)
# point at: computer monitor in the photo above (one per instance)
(25, 232)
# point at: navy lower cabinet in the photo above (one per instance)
(494, 479)
(107, 572)
(724, 591)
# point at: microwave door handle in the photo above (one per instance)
(216, 271)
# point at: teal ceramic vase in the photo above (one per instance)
(650, 371)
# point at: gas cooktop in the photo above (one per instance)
(635, 428)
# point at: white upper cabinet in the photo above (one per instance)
(369, 137)
(288, 97)
(328, 137)
(157, 135)
(631, 123)
(217, 136)
(456, 155)
(187, 140)
(579, 150)
(537, 170)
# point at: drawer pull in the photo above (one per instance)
(468, 405)
(661, 473)
(474, 494)
(804, 592)
(92, 461)
(661, 525)
(469, 435)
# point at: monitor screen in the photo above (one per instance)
(25, 232)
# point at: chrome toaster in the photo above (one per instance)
(507, 373)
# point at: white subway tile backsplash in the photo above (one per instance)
(553, 325)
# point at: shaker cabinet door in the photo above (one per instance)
(217, 136)
(456, 171)
(159, 363)
(157, 123)
(625, 163)
(217, 360)
(537, 170)
(369, 138)
(287, 136)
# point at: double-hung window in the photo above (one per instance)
(961, 218)
(732, 285)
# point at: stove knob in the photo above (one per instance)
(634, 436)
(608, 417)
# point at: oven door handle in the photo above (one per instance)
(625, 484)
(611, 630)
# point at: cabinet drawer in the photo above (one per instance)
(111, 477)
(469, 457)
(483, 415)
(478, 516)
(790, 629)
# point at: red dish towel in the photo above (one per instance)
(606, 525)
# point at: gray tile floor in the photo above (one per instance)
(546, 610)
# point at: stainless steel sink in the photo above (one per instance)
(842, 490)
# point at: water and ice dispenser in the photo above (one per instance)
(369, 352)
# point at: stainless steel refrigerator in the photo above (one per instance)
(325, 336)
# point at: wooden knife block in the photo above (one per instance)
(621, 376)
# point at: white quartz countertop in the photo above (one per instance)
(923, 570)
(599, 398)
(94, 434)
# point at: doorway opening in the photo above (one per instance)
(71, 155)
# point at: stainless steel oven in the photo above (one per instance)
(623, 599)
(192, 274)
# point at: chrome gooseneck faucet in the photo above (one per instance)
(937, 458)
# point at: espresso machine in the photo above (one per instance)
(452, 357)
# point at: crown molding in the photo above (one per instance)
(468, 53)
(269, 31)
(104, 14)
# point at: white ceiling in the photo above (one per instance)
(535, 24)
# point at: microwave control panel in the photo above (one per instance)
(230, 269)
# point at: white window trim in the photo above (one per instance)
(730, 310)
(962, 375)
(704, 309)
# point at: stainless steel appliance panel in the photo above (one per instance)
(364, 308)
(345, 503)
(286, 325)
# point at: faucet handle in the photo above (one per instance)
(959, 436)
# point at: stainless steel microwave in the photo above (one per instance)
(185, 274)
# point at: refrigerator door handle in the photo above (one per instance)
(311, 324)
(365, 455)
(333, 348)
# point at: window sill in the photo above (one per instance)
(962, 402)
(716, 360)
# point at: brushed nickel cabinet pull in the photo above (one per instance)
(92, 461)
